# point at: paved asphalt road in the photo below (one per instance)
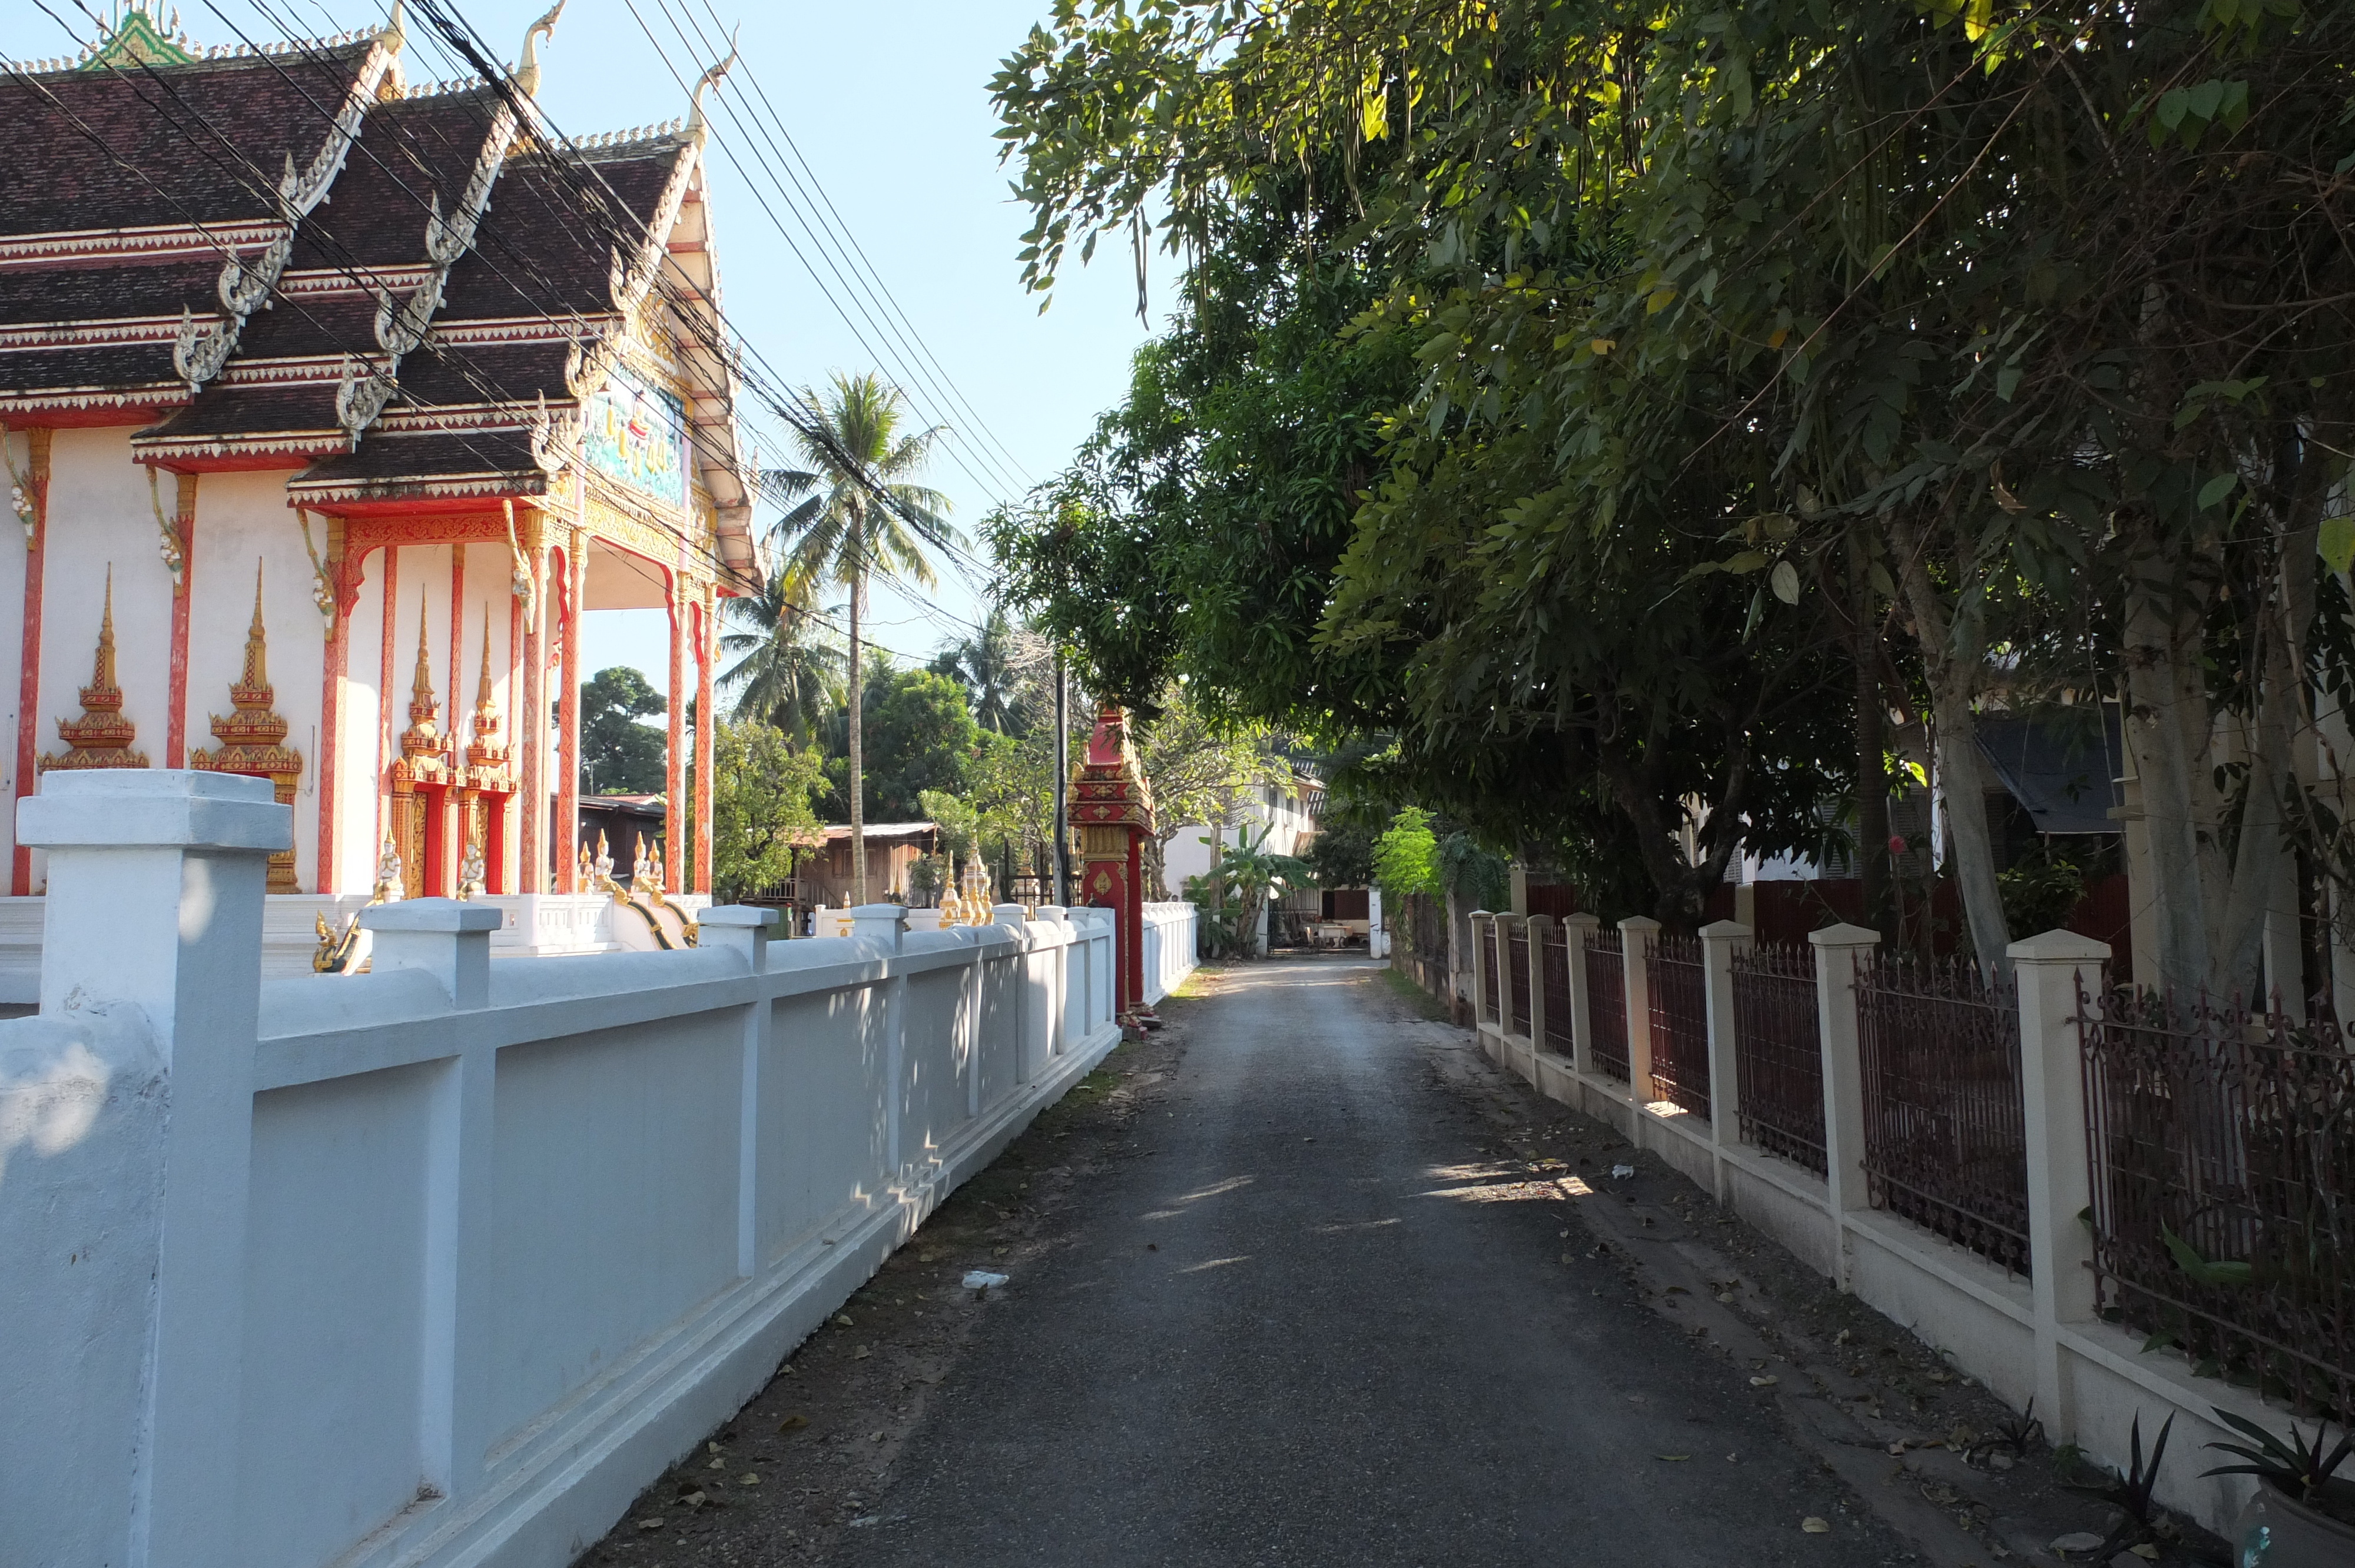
(1340, 1352)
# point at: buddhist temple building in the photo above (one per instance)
(331, 402)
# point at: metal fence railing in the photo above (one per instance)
(1679, 998)
(1517, 959)
(1945, 1139)
(1554, 962)
(1778, 1052)
(1485, 934)
(1607, 1002)
(2223, 1152)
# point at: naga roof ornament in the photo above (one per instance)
(246, 284)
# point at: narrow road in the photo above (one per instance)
(1319, 1325)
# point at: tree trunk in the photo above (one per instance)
(858, 735)
(1872, 742)
(1955, 657)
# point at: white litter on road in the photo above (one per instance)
(1621, 1173)
(980, 1280)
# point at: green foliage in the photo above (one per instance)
(619, 755)
(1406, 858)
(1586, 393)
(1341, 855)
(789, 664)
(1000, 668)
(1242, 880)
(2301, 1470)
(760, 807)
(2038, 891)
(920, 736)
(960, 823)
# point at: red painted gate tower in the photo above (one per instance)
(1114, 811)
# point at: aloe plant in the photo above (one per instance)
(2297, 1469)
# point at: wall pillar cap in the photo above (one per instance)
(1844, 936)
(1724, 931)
(1639, 923)
(154, 808)
(1537, 920)
(2057, 947)
(744, 915)
(1584, 919)
(443, 915)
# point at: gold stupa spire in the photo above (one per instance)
(253, 737)
(485, 752)
(422, 735)
(256, 676)
(102, 737)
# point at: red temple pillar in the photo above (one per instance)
(1114, 811)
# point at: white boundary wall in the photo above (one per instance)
(1172, 937)
(2024, 1340)
(440, 1265)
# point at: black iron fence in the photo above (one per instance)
(1778, 1052)
(2223, 1152)
(1945, 1139)
(1554, 962)
(1607, 1002)
(1517, 960)
(1485, 934)
(1679, 998)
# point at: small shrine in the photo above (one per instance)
(1113, 809)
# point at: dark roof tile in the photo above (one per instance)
(90, 149)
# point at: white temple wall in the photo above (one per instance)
(356, 829)
(12, 644)
(100, 512)
(243, 517)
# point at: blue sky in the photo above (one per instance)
(888, 106)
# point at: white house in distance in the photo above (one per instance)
(1287, 814)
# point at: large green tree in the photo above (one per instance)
(920, 737)
(620, 755)
(853, 510)
(1779, 364)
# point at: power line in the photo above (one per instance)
(994, 485)
(844, 233)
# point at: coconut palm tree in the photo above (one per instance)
(991, 667)
(855, 509)
(789, 665)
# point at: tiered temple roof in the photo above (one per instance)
(288, 260)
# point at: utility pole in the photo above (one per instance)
(1062, 784)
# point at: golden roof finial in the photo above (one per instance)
(526, 75)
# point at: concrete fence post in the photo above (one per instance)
(441, 937)
(1576, 929)
(1481, 941)
(1719, 941)
(1637, 935)
(1377, 942)
(1838, 950)
(1539, 931)
(741, 928)
(152, 928)
(2049, 968)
